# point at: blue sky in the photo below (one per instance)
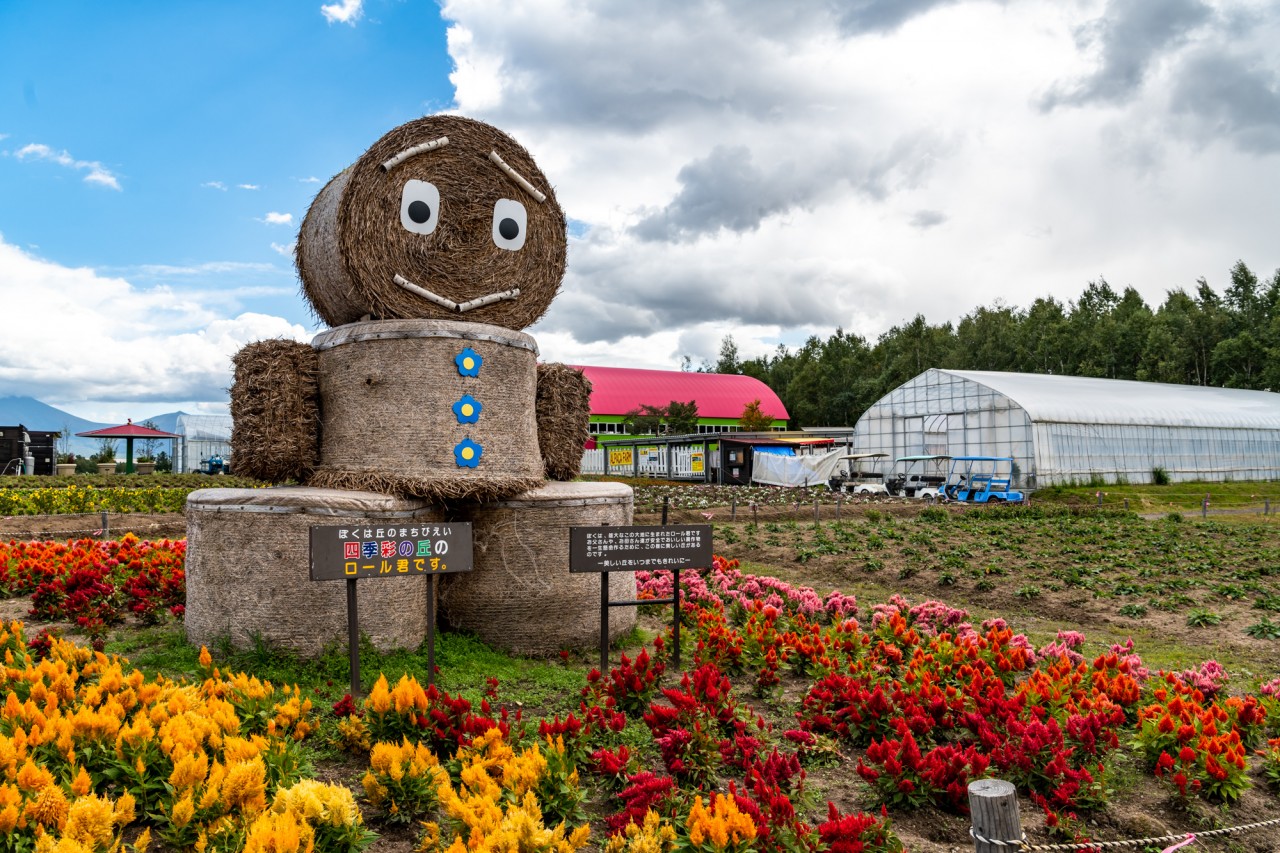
(765, 170)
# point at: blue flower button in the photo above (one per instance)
(467, 410)
(468, 362)
(467, 453)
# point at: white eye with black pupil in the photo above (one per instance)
(510, 222)
(419, 207)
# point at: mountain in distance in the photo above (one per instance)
(35, 415)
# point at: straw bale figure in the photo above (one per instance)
(447, 234)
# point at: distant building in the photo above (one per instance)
(202, 437)
(1063, 429)
(720, 397)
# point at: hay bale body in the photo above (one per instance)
(564, 413)
(520, 596)
(248, 570)
(388, 392)
(275, 411)
(354, 239)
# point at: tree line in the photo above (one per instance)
(1229, 339)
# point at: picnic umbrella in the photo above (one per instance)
(128, 431)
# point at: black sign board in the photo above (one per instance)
(648, 547)
(359, 552)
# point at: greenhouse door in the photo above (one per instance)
(924, 435)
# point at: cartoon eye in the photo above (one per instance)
(509, 224)
(419, 207)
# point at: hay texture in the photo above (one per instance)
(248, 570)
(274, 409)
(520, 595)
(392, 391)
(355, 239)
(564, 412)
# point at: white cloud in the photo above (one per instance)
(745, 168)
(130, 343)
(248, 187)
(312, 179)
(285, 249)
(274, 218)
(343, 12)
(215, 185)
(96, 172)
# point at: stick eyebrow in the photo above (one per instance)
(517, 177)
(388, 165)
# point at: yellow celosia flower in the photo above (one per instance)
(49, 808)
(126, 810)
(245, 786)
(379, 701)
(183, 810)
(189, 770)
(33, 777)
(724, 826)
(279, 833)
(91, 821)
(206, 659)
(143, 841)
(82, 783)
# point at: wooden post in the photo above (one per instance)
(815, 511)
(106, 529)
(993, 804)
(733, 509)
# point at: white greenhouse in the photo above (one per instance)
(202, 437)
(1062, 429)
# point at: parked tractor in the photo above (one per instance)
(981, 480)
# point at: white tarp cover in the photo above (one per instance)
(795, 470)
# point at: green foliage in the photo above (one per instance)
(754, 419)
(1159, 476)
(1202, 618)
(1196, 338)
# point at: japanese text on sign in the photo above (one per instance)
(625, 549)
(348, 551)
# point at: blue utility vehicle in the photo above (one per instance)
(981, 480)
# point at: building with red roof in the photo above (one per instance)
(720, 397)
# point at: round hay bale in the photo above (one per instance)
(445, 220)
(520, 595)
(403, 413)
(564, 411)
(274, 411)
(249, 576)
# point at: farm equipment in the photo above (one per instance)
(919, 477)
(981, 479)
(861, 474)
(214, 465)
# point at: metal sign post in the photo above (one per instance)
(354, 552)
(651, 547)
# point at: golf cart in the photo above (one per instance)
(981, 479)
(919, 477)
(860, 474)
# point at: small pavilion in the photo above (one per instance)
(128, 431)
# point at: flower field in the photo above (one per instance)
(802, 722)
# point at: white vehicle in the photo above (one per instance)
(919, 477)
(860, 474)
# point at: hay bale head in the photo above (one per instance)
(274, 410)
(444, 217)
(520, 595)
(564, 413)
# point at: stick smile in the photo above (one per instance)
(448, 304)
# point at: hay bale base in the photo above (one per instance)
(248, 570)
(520, 596)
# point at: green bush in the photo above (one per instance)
(1159, 476)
